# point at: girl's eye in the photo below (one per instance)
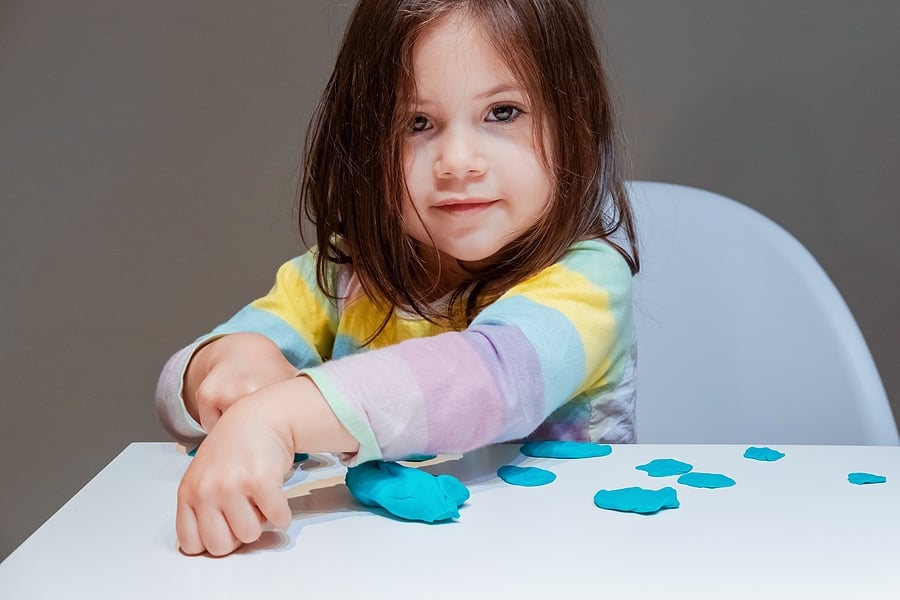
(420, 123)
(504, 113)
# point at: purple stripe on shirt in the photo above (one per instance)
(398, 419)
(464, 408)
(517, 371)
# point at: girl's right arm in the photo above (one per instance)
(269, 340)
(200, 382)
(228, 369)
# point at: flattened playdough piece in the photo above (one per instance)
(565, 449)
(407, 492)
(764, 454)
(637, 500)
(706, 480)
(865, 478)
(664, 467)
(419, 457)
(525, 476)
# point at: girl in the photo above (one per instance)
(465, 288)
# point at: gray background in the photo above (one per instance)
(148, 156)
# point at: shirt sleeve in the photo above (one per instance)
(546, 340)
(296, 314)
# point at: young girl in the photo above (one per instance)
(465, 288)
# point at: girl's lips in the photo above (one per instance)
(464, 207)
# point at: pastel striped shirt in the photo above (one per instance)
(552, 358)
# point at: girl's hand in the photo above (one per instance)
(233, 485)
(229, 369)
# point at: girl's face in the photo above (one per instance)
(472, 171)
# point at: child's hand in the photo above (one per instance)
(229, 369)
(234, 484)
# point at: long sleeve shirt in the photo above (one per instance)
(552, 358)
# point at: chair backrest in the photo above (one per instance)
(742, 336)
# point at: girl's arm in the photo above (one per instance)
(558, 345)
(267, 341)
(229, 369)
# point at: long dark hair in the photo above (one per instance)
(352, 182)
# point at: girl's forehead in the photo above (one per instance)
(454, 44)
(448, 33)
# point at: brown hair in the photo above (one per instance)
(352, 183)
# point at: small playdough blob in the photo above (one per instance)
(419, 457)
(706, 480)
(763, 454)
(664, 467)
(525, 476)
(865, 478)
(565, 449)
(637, 500)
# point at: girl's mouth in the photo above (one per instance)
(466, 206)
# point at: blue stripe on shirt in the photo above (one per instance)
(554, 339)
(250, 319)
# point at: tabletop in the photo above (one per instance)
(794, 528)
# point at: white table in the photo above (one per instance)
(789, 529)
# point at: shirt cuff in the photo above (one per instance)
(350, 418)
(170, 408)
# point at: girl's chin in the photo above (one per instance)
(455, 262)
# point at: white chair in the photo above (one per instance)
(742, 337)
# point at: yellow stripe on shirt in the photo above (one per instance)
(586, 306)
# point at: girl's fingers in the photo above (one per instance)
(273, 505)
(245, 520)
(215, 533)
(186, 530)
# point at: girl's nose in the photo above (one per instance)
(459, 156)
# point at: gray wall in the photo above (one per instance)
(148, 157)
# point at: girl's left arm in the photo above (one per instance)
(565, 333)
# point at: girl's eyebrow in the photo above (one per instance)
(502, 88)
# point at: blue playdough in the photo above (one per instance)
(407, 492)
(864, 478)
(664, 467)
(637, 500)
(763, 454)
(565, 449)
(525, 476)
(706, 480)
(419, 457)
